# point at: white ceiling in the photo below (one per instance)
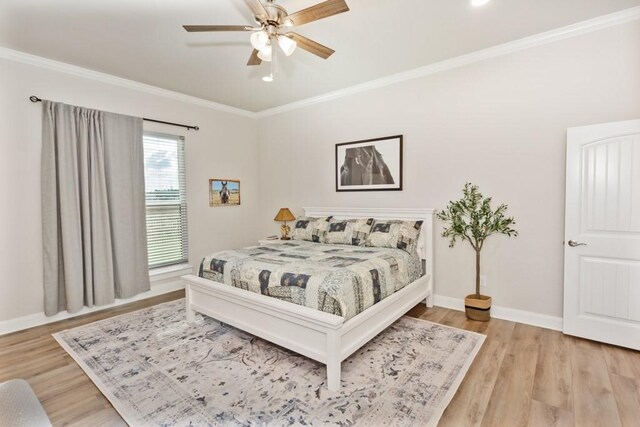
(143, 40)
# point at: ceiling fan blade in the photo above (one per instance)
(319, 11)
(311, 46)
(202, 28)
(257, 9)
(253, 59)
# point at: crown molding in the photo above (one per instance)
(50, 64)
(583, 27)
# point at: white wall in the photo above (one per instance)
(225, 146)
(500, 124)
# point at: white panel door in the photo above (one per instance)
(602, 233)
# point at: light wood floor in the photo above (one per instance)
(522, 376)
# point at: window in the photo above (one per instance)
(166, 195)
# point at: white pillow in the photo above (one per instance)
(310, 228)
(348, 231)
(395, 234)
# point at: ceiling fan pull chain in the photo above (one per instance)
(274, 59)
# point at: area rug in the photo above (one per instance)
(158, 370)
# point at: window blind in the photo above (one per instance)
(166, 199)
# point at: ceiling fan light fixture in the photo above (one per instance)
(265, 53)
(259, 39)
(287, 44)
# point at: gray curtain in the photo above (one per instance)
(93, 207)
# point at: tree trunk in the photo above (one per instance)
(477, 273)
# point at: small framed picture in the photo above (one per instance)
(369, 165)
(224, 192)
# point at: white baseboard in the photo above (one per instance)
(37, 319)
(505, 313)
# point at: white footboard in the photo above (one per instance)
(290, 325)
(320, 336)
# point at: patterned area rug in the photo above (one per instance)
(157, 370)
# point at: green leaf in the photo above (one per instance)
(473, 219)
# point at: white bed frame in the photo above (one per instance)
(320, 336)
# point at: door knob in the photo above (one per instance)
(573, 243)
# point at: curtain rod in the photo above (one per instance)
(34, 98)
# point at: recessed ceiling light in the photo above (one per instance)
(478, 3)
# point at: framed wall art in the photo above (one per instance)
(369, 165)
(224, 192)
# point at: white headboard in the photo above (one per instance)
(425, 241)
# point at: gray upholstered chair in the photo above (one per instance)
(19, 406)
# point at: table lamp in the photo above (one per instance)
(284, 215)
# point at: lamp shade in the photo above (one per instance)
(287, 45)
(265, 53)
(284, 214)
(259, 39)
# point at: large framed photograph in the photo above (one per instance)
(224, 192)
(369, 165)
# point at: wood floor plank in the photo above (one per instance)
(48, 385)
(470, 401)
(593, 399)
(500, 330)
(80, 401)
(543, 415)
(31, 367)
(627, 394)
(32, 346)
(553, 379)
(510, 401)
(418, 310)
(47, 349)
(105, 417)
(622, 361)
(435, 314)
(454, 319)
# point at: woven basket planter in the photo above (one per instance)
(478, 307)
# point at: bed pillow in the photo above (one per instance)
(348, 231)
(395, 234)
(310, 228)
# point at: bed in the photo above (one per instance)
(324, 322)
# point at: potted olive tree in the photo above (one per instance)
(473, 219)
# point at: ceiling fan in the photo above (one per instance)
(274, 22)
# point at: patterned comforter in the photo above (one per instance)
(337, 279)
